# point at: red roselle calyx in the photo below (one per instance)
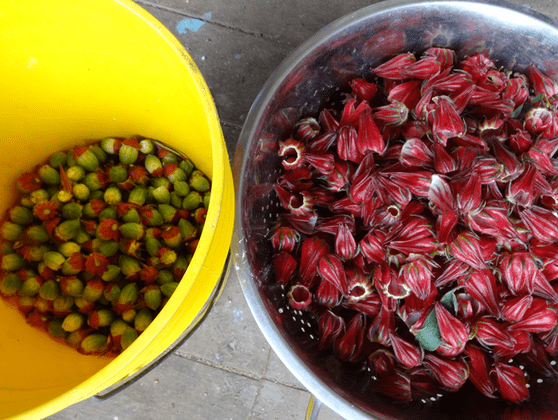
(420, 225)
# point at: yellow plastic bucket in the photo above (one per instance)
(74, 71)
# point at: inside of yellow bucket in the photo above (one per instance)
(72, 73)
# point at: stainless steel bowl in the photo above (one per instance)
(514, 36)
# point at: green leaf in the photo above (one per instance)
(517, 111)
(429, 335)
(449, 300)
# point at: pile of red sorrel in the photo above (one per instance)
(421, 226)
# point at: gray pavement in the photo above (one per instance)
(226, 369)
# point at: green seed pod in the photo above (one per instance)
(161, 182)
(10, 231)
(181, 188)
(151, 233)
(26, 202)
(96, 195)
(129, 265)
(75, 338)
(20, 215)
(81, 192)
(108, 213)
(68, 248)
(6, 247)
(176, 200)
(138, 195)
(62, 196)
(146, 146)
(152, 246)
(37, 233)
(129, 315)
(128, 337)
(93, 181)
(168, 288)
(167, 211)
(71, 286)
(112, 292)
(132, 230)
(99, 152)
(165, 276)
(181, 265)
(75, 173)
(187, 229)
(93, 290)
(117, 327)
(168, 156)
(192, 201)
(129, 294)
(42, 305)
(161, 194)
(12, 262)
(112, 273)
(118, 173)
(176, 174)
(142, 320)
(10, 285)
(86, 158)
(67, 230)
(84, 306)
(108, 248)
(168, 256)
(198, 181)
(63, 305)
(100, 318)
(49, 290)
(171, 236)
(128, 155)
(26, 303)
(186, 165)
(81, 237)
(94, 343)
(152, 217)
(69, 269)
(55, 329)
(112, 195)
(153, 165)
(37, 253)
(31, 286)
(110, 145)
(39, 196)
(132, 216)
(49, 175)
(73, 322)
(153, 296)
(206, 199)
(57, 159)
(71, 210)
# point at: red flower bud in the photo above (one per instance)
(382, 362)
(511, 382)
(300, 297)
(451, 374)
(393, 68)
(479, 370)
(285, 265)
(348, 346)
(408, 354)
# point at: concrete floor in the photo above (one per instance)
(226, 369)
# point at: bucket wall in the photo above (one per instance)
(71, 74)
